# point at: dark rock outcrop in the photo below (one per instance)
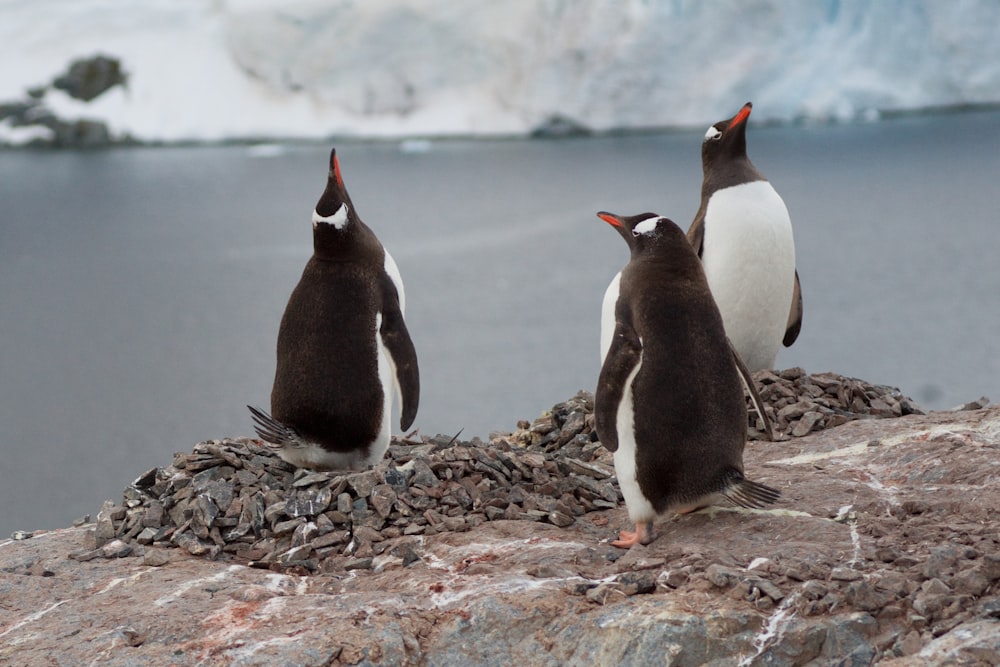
(86, 79)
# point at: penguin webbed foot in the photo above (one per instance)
(643, 534)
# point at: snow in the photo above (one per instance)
(299, 69)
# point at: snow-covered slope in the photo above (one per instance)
(215, 69)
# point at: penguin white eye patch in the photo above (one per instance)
(338, 219)
(647, 226)
(712, 133)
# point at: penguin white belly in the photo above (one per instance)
(390, 388)
(749, 260)
(639, 508)
(608, 314)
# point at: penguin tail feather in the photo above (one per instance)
(271, 430)
(750, 495)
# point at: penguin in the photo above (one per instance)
(608, 330)
(343, 350)
(669, 402)
(743, 235)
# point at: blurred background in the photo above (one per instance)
(161, 161)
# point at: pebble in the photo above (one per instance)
(232, 498)
(156, 557)
(798, 403)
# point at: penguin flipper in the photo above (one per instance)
(623, 356)
(696, 232)
(397, 343)
(272, 431)
(795, 315)
(751, 388)
(750, 495)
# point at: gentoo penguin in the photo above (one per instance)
(343, 347)
(743, 235)
(669, 400)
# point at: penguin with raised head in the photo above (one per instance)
(669, 401)
(344, 351)
(743, 234)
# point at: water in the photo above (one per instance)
(141, 289)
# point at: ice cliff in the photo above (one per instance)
(217, 69)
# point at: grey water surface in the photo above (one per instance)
(141, 289)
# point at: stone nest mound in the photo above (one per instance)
(232, 498)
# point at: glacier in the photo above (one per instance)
(213, 70)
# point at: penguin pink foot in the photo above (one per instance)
(643, 534)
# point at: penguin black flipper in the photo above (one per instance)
(751, 388)
(622, 358)
(396, 339)
(795, 316)
(696, 232)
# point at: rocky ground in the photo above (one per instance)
(882, 550)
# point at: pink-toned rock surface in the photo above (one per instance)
(883, 549)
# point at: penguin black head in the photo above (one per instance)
(334, 208)
(645, 230)
(724, 155)
(727, 139)
(334, 218)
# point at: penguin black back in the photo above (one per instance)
(669, 400)
(690, 401)
(341, 337)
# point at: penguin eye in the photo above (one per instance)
(635, 232)
(713, 134)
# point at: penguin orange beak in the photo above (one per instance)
(610, 218)
(741, 116)
(335, 163)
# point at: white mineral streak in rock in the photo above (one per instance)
(845, 515)
(31, 618)
(774, 629)
(120, 580)
(286, 585)
(42, 535)
(459, 586)
(241, 654)
(480, 586)
(887, 492)
(861, 447)
(188, 585)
